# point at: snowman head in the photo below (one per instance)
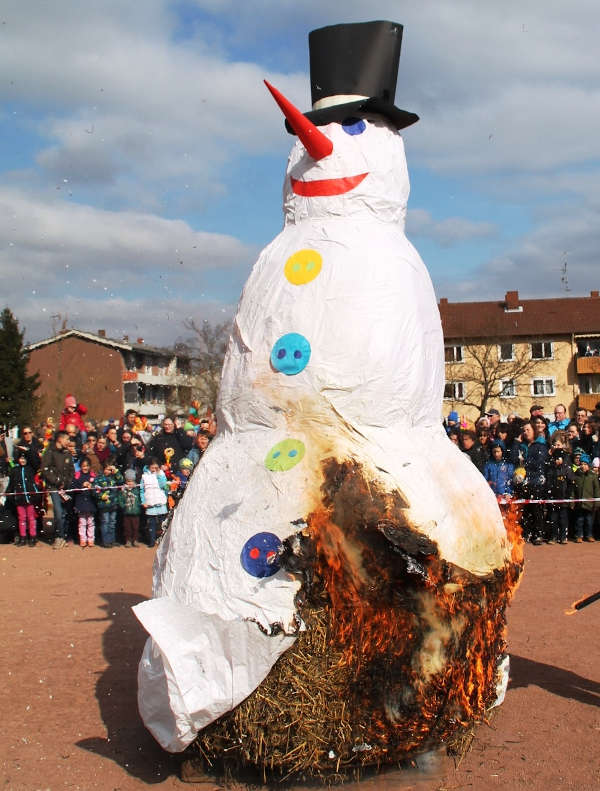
(355, 168)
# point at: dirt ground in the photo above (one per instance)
(70, 646)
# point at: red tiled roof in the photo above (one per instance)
(524, 317)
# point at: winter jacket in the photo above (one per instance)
(132, 462)
(195, 455)
(499, 475)
(153, 492)
(585, 484)
(535, 466)
(559, 479)
(4, 465)
(84, 502)
(558, 425)
(73, 417)
(478, 456)
(107, 498)
(32, 451)
(21, 481)
(178, 441)
(130, 501)
(57, 467)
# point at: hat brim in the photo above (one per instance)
(338, 112)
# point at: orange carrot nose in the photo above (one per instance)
(315, 142)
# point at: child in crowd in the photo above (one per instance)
(186, 465)
(154, 487)
(84, 503)
(21, 482)
(586, 486)
(498, 472)
(559, 483)
(131, 506)
(107, 497)
(201, 443)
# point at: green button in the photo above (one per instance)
(285, 455)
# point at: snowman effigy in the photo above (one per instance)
(331, 591)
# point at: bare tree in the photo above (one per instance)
(206, 347)
(484, 375)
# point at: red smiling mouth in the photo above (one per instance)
(322, 187)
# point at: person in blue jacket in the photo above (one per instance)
(498, 472)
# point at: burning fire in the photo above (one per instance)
(421, 637)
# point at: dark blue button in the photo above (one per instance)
(353, 126)
(259, 556)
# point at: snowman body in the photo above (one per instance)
(336, 352)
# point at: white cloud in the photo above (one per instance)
(534, 265)
(125, 101)
(447, 232)
(86, 262)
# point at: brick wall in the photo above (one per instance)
(92, 372)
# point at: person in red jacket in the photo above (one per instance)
(72, 413)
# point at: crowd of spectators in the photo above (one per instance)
(104, 483)
(555, 462)
(109, 483)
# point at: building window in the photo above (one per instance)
(541, 350)
(589, 384)
(454, 391)
(507, 352)
(453, 354)
(508, 388)
(130, 392)
(542, 387)
(588, 347)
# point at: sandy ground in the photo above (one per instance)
(71, 644)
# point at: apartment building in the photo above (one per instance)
(109, 376)
(515, 352)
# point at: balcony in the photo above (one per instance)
(588, 365)
(588, 400)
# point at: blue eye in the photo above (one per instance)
(354, 126)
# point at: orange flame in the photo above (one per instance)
(421, 636)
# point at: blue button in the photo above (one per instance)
(290, 354)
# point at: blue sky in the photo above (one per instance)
(142, 159)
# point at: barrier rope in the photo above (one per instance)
(507, 501)
(502, 500)
(92, 488)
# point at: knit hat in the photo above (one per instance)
(585, 459)
(70, 400)
(596, 462)
(453, 416)
(130, 475)
(497, 443)
(186, 464)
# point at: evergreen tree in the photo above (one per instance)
(18, 402)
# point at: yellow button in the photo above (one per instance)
(303, 266)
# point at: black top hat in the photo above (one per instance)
(353, 68)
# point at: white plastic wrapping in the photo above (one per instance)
(343, 288)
